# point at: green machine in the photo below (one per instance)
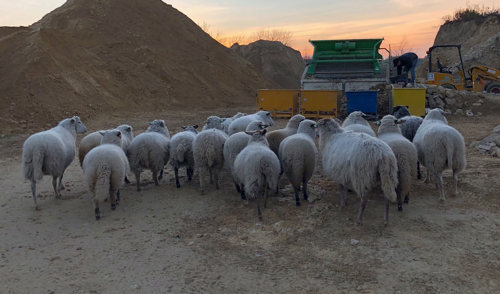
(355, 57)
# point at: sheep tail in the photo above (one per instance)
(180, 150)
(388, 171)
(33, 166)
(103, 179)
(269, 172)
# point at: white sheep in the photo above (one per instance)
(94, 139)
(257, 169)
(104, 169)
(275, 137)
(357, 161)
(235, 143)
(241, 123)
(409, 127)
(405, 152)
(228, 120)
(150, 150)
(208, 148)
(181, 152)
(298, 155)
(213, 122)
(50, 153)
(355, 122)
(440, 146)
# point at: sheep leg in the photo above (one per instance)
(138, 180)
(189, 172)
(155, 177)
(118, 197)
(242, 192)
(56, 190)
(439, 184)
(211, 176)
(216, 179)
(399, 200)
(343, 196)
(407, 198)
(161, 175)
(304, 192)
(112, 198)
(362, 207)
(297, 198)
(266, 193)
(176, 172)
(33, 192)
(455, 184)
(386, 215)
(259, 213)
(419, 175)
(95, 203)
(202, 180)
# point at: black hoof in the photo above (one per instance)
(407, 200)
(97, 214)
(117, 197)
(113, 206)
(400, 207)
(177, 185)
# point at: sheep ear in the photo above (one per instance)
(183, 127)
(195, 126)
(263, 132)
(399, 121)
(129, 129)
(72, 120)
(102, 133)
(222, 120)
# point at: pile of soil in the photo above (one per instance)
(276, 61)
(90, 57)
(480, 40)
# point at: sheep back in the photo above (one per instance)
(149, 150)
(357, 160)
(256, 167)
(298, 156)
(208, 148)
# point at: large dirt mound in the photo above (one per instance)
(480, 40)
(275, 61)
(92, 56)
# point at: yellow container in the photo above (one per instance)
(319, 103)
(413, 98)
(281, 103)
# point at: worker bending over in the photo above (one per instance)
(409, 61)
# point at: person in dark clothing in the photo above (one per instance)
(409, 61)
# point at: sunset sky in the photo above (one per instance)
(404, 24)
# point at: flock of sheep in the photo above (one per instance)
(351, 154)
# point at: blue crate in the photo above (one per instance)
(365, 101)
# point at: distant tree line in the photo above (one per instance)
(280, 35)
(471, 12)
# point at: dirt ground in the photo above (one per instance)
(165, 239)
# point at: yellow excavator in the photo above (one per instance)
(480, 78)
